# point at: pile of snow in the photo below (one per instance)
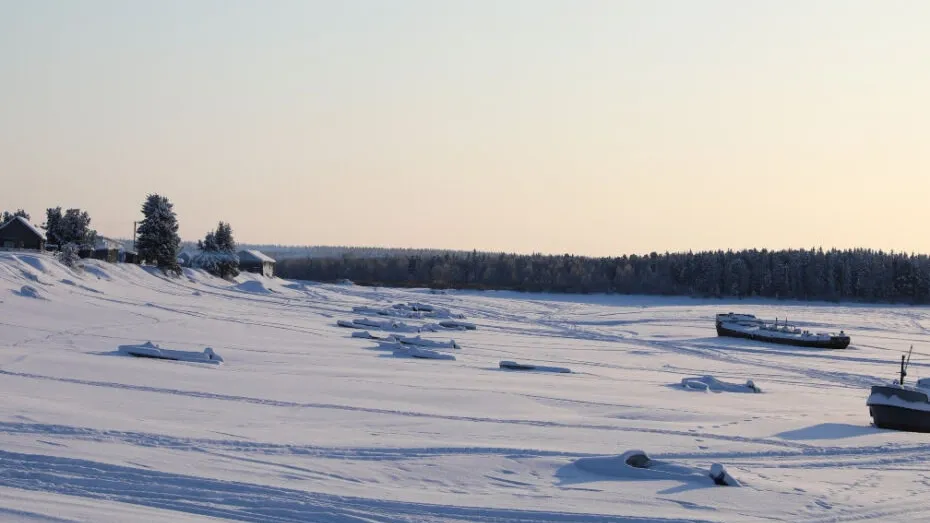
(512, 365)
(412, 351)
(721, 477)
(710, 383)
(94, 270)
(35, 262)
(28, 291)
(151, 350)
(253, 286)
(636, 465)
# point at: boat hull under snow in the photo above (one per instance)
(153, 351)
(748, 327)
(899, 408)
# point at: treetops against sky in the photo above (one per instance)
(531, 125)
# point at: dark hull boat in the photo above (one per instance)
(749, 327)
(901, 407)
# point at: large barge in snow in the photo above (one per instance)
(750, 327)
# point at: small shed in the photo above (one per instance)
(18, 233)
(129, 257)
(257, 262)
(106, 249)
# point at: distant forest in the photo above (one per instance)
(834, 275)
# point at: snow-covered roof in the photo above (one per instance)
(28, 225)
(103, 242)
(255, 255)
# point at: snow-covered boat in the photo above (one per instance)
(151, 350)
(512, 365)
(901, 407)
(412, 351)
(753, 328)
(458, 325)
(423, 342)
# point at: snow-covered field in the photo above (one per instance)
(303, 422)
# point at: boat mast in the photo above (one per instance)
(904, 364)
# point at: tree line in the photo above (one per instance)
(803, 274)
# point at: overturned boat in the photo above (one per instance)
(750, 327)
(901, 407)
(513, 365)
(151, 350)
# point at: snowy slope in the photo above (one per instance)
(303, 422)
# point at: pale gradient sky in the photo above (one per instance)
(593, 127)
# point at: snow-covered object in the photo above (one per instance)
(512, 365)
(28, 291)
(408, 310)
(721, 477)
(369, 336)
(151, 350)
(423, 342)
(714, 385)
(412, 351)
(901, 407)
(386, 325)
(457, 325)
(750, 327)
(636, 458)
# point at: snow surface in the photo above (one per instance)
(304, 422)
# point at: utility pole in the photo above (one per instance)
(134, 236)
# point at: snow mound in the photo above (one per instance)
(151, 350)
(721, 477)
(710, 383)
(512, 365)
(35, 262)
(636, 465)
(410, 351)
(253, 286)
(28, 291)
(96, 271)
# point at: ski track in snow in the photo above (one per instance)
(317, 426)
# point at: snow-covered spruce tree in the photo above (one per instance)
(7, 215)
(158, 239)
(218, 253)
(71, 229)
